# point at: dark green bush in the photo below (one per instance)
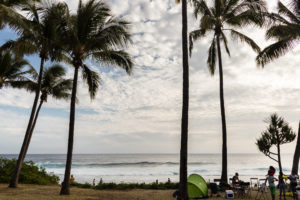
(128, 186)
(30, 174)
(125, 186)
(80, 185)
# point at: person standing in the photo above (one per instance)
(271, 179)
(293, 178)
(72, 179)
(281, 185)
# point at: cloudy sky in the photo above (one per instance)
(142, 113)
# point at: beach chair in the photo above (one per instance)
(261, 193)
(254, 183)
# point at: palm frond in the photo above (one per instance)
(254, 5)
(280, 32)
(26, 84)
(296, 7)
(212, 55)
(283, 10)
(245, 18)
(274, 51)
(207, 22)
(200, 7)
(114, 32)
(243, 38)
(92, 79)
(193, 36)
(230, 5)
(62, 89)
(119, 58)
(20, 47)
(225, 41)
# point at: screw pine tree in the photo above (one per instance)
(278, 132)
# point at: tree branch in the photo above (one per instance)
(273, 153)
(272, 158)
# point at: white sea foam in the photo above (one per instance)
(150, 167)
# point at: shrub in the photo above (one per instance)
(30, 174)
(125, 186)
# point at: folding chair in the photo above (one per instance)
(261, 193)
(254, 183)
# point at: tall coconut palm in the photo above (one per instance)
(225, 16)
(13, 70)
(93, 33)
(285, 31)
(37, 35)
(185, 106)
(53, 84)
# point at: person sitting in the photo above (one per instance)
(235, 179)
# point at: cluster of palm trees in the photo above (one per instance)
(51, 31)
(229, 16)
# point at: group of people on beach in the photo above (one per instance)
(281, 183)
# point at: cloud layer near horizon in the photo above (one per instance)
(142, 112)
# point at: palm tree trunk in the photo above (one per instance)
(15, 178)
(185, 107)
(279, 158)
(65, 189)
(34, 123)
(224, 177)
(296, 154)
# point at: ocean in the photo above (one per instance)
(151, 167)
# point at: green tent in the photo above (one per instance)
(197, 187)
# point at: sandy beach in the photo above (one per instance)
(38, 192)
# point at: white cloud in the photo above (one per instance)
(142, 112)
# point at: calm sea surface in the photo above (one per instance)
(150, 167)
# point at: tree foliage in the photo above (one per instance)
(31, 174)
(277, 133)
(14, 70)
(285, 30)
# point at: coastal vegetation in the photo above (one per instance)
(30, 174)
(128, 186)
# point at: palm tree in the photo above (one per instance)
(37, 35)
(296, 154)
(92, 33)
(53, 84)
(285, 31)
(225, 15)
(185, 106)
(12, 70)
